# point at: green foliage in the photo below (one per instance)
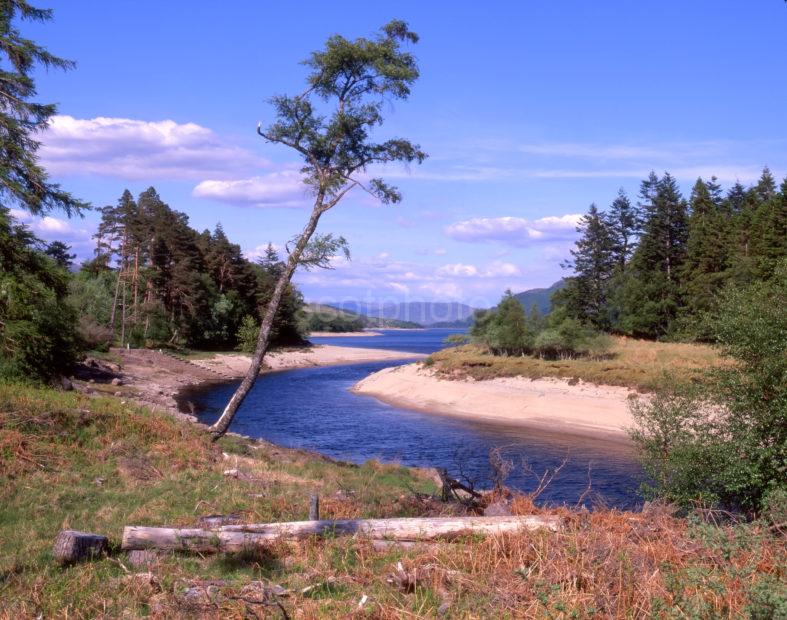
(333, 321)
(655, 270)
(38, 338)
(457, 339)
(158, 282)
(90, 295)
(247, 334)
(725, 441)
(60, 253)
(23, 182)
(507, 330)
(649, 299)
(359, 77)
(569, 338)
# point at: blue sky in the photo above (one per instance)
(529, 110)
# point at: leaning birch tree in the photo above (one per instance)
(330, 127)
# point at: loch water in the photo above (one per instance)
(312, 408)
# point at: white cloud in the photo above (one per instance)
(442, 290)
(398, 287)
(499, 269)
(515, 230)
(379, 280)
(135, 149)
(277, 189)
(457, 270)
(496, 269)
(51, 228)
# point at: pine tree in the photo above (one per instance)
(60, 253)
(624, 224)
(594, 263)
(23, 181)
(649, 296)
(703, 270)
(748, 229)
(769, 228)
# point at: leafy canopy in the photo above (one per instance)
(331, 122)
(22, 180)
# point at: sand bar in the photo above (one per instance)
(236, 364)
(548, 404)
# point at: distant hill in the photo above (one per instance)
(540, 297)
(421, 312)
(328, 318)
(464, 323)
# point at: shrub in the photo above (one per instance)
(247, 334)
(725, 441)
(93, 335)
(38, 338)
(569, 339)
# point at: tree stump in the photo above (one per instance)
(142, 557)
(314, 507)
(72, 546)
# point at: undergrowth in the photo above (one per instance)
(95, 464)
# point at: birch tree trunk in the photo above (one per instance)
(221, 425)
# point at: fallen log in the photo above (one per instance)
(233, 538)
(72, 546)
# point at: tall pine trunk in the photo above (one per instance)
(221, 425)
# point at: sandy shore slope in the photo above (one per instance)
(549, 404)
(235, 364)
(155, 379)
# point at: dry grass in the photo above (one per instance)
(70, 461)
(639, 364)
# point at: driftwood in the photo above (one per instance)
(451, 486)
(72, 546)
(233, 538)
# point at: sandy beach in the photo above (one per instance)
(548, 404)
(235, 364)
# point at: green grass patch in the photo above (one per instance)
(639, 364)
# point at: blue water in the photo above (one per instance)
(410, 340)
(313, 408)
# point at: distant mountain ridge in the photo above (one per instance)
(339, 320)
(421, 312)
(540, 297)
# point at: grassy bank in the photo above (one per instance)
(67, 460)
(639, 364)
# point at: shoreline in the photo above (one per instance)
(161, 380)
(553, 405)
(359, 334)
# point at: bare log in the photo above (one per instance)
(72, 546)
(233, 538)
